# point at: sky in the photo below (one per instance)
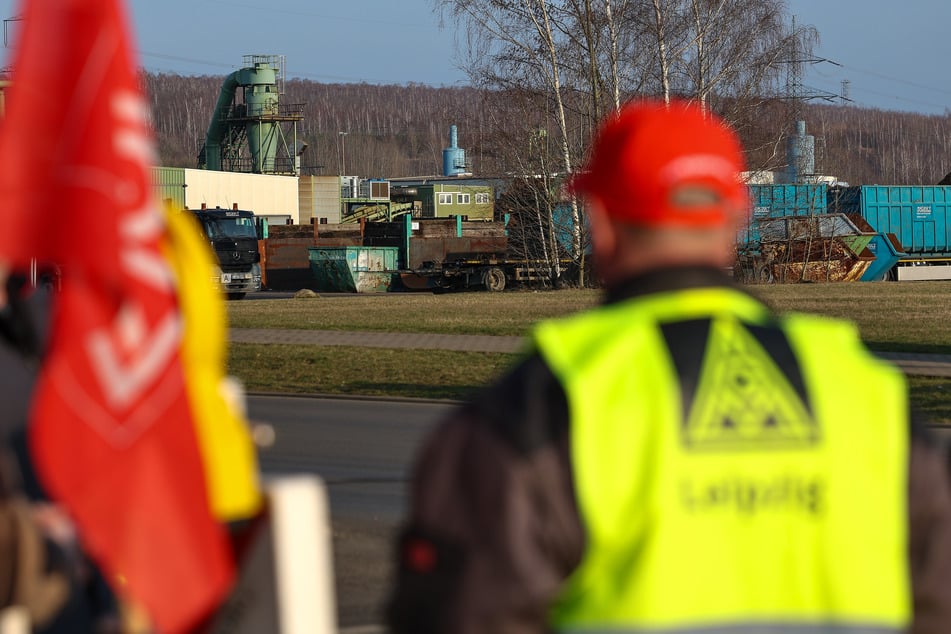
(893, 53)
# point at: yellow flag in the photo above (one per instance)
(224, 438)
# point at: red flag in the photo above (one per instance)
(111, 433)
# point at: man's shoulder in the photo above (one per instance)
(527, 407)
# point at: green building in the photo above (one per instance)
(448, 200)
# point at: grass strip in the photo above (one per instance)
(432, 374)
(931, 396)
(905, 316)
(449, 313)
(891, 316)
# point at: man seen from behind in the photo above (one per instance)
(679, 459)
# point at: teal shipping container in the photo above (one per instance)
(782, 201)
(779, 201)
(354, 269)
(919, 216)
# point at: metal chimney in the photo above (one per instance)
(453, 157)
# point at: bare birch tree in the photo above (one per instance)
(518, 45)
(663, 31)
(614, 51)
(583, 58)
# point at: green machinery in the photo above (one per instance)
(251, 134)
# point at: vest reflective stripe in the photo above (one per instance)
(807, 528)
(762, 628)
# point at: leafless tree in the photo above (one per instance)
(583, 58)
(521, 45)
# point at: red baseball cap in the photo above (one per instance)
(655, 164)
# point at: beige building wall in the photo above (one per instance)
(275, 197)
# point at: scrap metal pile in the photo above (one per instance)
(820, 248)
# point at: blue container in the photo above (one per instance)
(918, 216)
(886, 256)
(781, 201)
(563, 226)
(778, 201)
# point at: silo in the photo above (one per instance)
(453, 157)
(261, 102)
(800, 155)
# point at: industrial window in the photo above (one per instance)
(445, 199)
(462, 199)
(482, 198)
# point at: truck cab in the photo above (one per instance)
(232, 235)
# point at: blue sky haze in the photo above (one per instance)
(893, 54)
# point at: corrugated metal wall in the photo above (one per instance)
(919, 216)
(170, 185)
(782, 201)
(319, 199)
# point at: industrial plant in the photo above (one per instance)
(345, 232)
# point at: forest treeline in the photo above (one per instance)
(390, 131)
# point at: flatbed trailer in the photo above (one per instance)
(431, 254)
(492, 274)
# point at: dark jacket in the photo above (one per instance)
(494, 529)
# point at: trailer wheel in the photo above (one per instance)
(494, 279)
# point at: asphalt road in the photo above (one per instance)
(362, 449)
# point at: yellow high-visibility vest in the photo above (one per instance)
(740, 497)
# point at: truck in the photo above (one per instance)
(232, 234)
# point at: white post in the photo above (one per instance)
(286, 581)
(14, 620)
(303, 556)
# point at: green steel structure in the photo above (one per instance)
(251, 134)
